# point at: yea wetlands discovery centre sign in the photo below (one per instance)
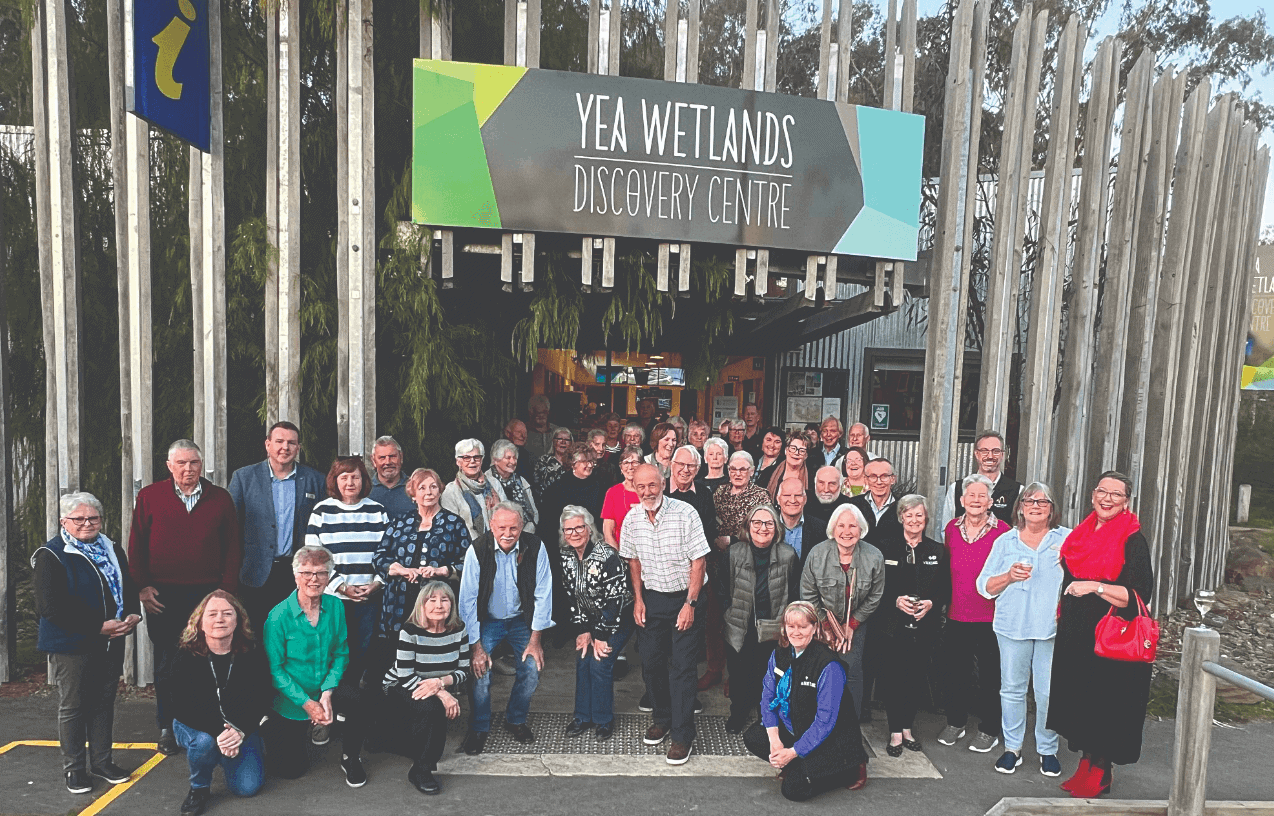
(532, 150)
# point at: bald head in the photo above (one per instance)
(791, 499)
(827, 484)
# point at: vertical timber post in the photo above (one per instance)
(1196, 697)
(681, 64)
(604, 37)
(283, 212)
(521, 47)
(435, 43)
(8, 642)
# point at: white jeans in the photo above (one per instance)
(1023, 661)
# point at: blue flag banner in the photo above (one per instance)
(171, 87)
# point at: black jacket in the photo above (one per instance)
(245, 697)
(72, 599)
(928, 578)
(887, 528)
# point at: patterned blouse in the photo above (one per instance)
(598, 588)
(547, 471)
(442, 545)
(732, 509)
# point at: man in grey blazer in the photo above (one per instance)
(274, 499)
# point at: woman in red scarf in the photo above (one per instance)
(1099, 705)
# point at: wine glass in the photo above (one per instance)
(911, 620)
(1204, 599)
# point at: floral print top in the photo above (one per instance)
(442, 545)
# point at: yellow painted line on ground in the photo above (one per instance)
(116, 791)
(99, 804)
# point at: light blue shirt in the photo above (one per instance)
(793, 536)
(284, 491)
(505, 603)
(1026, 610)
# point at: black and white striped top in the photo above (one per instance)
(423, 655)
(352, 532)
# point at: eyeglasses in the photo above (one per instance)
(1101, 493)
(685, 465)
(308, 575)
(762, 524)
(629, 463)
(573, 531)
(797, 450)
(588, 463)
(476, 457)
(739, 469)
(84, 521)
(879, 477)
(1036, 502)
(989, 451)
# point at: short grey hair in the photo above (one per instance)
(693, 452)
(737, 424)
(866, 430)
(465, 446)
(313, 554)
(69, 501)
(563, 432)
(842, 510)
(633, 426)
(571, 511)
(184, 444)
(745, 529)
(596, 432)
(500, 447)
(718, 442)
(1054, 515)
(977, 478)
(745, 456)
(386, 441)
(910, 502)
(830, 418)
(538, 401)
(512, 507)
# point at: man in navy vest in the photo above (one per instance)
(506, 596)
(988, 450)
(274, 499)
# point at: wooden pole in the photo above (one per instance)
(947, 280)
(1005, 272)
(1172, 570)
(1077, 366)
(1166, 353)
(1196, 697)
(1166, 126)
(283, 212)
(1039, 378)
(8, 632)
(521, 47)
(1112, 336)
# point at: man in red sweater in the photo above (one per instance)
(184, 543)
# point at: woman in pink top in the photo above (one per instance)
(969, 636)
(620, 497)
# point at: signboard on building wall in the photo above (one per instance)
(524, 149)
(1258, 361)
(724, 408)
(169, 82)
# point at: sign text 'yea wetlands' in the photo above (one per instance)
(532, 150)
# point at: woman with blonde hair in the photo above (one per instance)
(222, 692)
(808, 730)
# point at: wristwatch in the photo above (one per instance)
(692, 602)
(1101, 589)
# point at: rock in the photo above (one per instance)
(1248, 566)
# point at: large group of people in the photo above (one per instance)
(295, 608)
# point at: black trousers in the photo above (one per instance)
(425, 724)
(670, 662)
(797, 784)
(279, 584)
(966, 645)
(164, 630)
(287, 742)
(747, 670)
(904, 671)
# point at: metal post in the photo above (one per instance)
(8, 642)
(1196, 696)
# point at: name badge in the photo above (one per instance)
(889, 563)
(309, 495)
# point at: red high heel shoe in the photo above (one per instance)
(1092, 786)
(1080, 773)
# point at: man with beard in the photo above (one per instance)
(824, 494)
(389, 488)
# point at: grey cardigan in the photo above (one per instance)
(823, 581)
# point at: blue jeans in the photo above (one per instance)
(244, 773)
(594, 680)
(1022, 661)
(360, 623)
(517, 633)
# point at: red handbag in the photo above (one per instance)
(1133, 641)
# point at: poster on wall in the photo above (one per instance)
(831, 407)
(527, 149)
(805, 384)
(724, 408)
(1258, 354)
(802, 410)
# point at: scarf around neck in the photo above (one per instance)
(101, 552)
(783, 689)
(513, 491)
(475, 494)
(1093, 554)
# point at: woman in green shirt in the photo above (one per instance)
(306, 643)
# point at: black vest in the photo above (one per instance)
(1003, 497)
(528, 556)
(842, 750)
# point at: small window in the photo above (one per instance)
(894, 390)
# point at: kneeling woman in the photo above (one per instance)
(808, 727)
(431, 666)
(222, 693)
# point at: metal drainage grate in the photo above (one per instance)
(711, 738)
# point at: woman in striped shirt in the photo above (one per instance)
(351, 526)
(420, 688)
